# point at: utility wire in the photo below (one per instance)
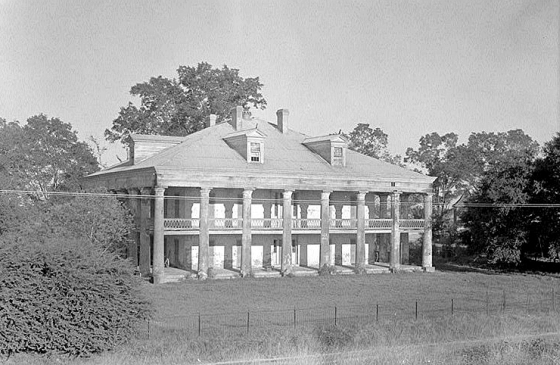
(237, 199)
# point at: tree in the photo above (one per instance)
(177, 107)
(496, 223)
(459, 168)
(371, 142)
(44, 155)
(545, 228)
(440, 157)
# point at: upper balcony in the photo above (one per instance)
(276, 224)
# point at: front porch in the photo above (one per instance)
(172, 274)
(220, 231)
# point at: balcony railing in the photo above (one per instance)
(266, 223)
(409, 224)
(299, 223)
(225, 223)
(183, 224)
(379, 223)
(343, 223)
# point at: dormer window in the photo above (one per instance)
(249, 144)
(255, 152)
(331, 147)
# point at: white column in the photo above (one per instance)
(361, 232)
(395, 232)
(325, 256)
(287, 233)
(427, 241)
(246, 262)
(204, 235)
(159, 255)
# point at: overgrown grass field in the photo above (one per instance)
(431, 290)
(524, 333)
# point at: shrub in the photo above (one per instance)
(66, 296)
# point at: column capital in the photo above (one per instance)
(361, 195)
(326, 194)
(133, 191)
(287, 194)
(205, 191)
(159, 190)
(247, 193)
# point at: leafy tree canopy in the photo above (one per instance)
(371, 142)
(43, 155)
(460, 168)
(177, 107)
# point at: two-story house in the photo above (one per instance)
(249, 196)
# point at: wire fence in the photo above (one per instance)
(492, 303)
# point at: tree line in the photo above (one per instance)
(502, 172)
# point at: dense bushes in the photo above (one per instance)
(64, 287)
(66, 296)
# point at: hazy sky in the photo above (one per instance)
(408, 67)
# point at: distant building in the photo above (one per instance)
(249, 197)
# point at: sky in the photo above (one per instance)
(409, 67)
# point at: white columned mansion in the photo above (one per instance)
(250, 196)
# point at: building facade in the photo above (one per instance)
(249, 195)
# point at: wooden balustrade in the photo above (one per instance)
(182, 224)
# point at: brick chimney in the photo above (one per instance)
(211, 120)
(282, 120)
(236, 117)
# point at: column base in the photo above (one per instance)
(359, 270)
(202, 275)
(158, 279)
(429, 269)
(246, 273)
(326, 270)
(395, 269)
(288, 271)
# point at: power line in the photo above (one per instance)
(257, 200)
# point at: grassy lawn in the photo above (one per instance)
(525, 333)
(397, 291)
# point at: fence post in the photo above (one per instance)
(553, 301)
(504, 301)
(295, 319)
(416, 310)
(199, 325)
(248, 320)
(377, 312)
(335, 315)
(148, 329)
(487, 303)
(452, 309)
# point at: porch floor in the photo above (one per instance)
(173, 274)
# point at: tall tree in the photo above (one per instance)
(371, 142)
(497, 224)
(440, 157)
(545, 190)
(460, 167)
(44, 155)
(177, 107)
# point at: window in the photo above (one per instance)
(337, 152)
(255, 152)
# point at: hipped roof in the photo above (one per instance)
(284, 154)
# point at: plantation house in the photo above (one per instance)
(249, 197)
